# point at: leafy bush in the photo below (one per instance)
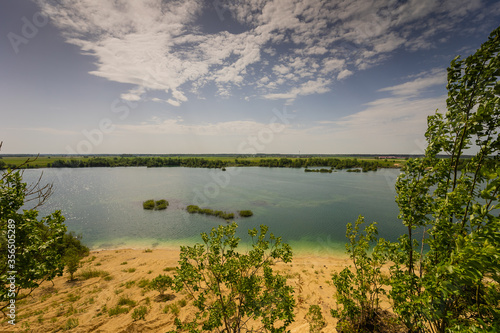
(229, 288)
(315, 319)
(139, 313)
(246, 213)
(143, 283)
(72, 261)
(117, 310)
(161, 204)
(191, 209)
(148, 204)
(161, 283)
(358, 291)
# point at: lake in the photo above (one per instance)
(308, 210)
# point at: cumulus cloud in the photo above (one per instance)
(288, 48)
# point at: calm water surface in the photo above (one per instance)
(309, 210)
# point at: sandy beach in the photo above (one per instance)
(83, 305)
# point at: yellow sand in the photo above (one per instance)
(54, 303)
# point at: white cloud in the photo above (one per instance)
(423, 82)
(173, 102)
(156, 45)
(345, 73)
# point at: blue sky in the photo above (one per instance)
(187, 76)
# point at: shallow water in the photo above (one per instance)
(308, 210)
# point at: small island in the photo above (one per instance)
(192, 209)
(319, 170)
(155, 205)
(246, 213)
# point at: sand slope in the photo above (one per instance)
(81, 306)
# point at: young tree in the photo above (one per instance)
(233, 290)
(448, 280)
(30, 248)
(72, 261)
(359, 288)
(161, 283)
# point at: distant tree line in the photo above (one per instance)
(195, 162)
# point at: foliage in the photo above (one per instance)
(453, 285)
(124, 300)
(117, 310)
(232, 290)
(70, 324)
(219, 162)
(72, 261)
(140, 313)
(28, 245)
(358, 291)
(72, 243)
(246, 213)
(161, 283)
(148, 204)
(315, 319)
(319, 170)
(193, 209)
(161, 204)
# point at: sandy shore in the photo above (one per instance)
(60, 305)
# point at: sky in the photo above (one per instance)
(244, 76)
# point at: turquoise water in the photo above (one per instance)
(308, 210)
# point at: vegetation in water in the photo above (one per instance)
(193, 209)
(246, 213)
(319, 170)
(155, 205)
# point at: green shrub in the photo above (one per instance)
(72, 261)
(221, 281)
(129, 284)
(143, 283)
(117, 310)
(246, 213)
(148, 204)
(168, 269)
(161, 283)
(70, 324)
(139, 313)
(161, 204)
(315, 319)
(172, 308)
(124, 300)
(191, 209)
(92, 273)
